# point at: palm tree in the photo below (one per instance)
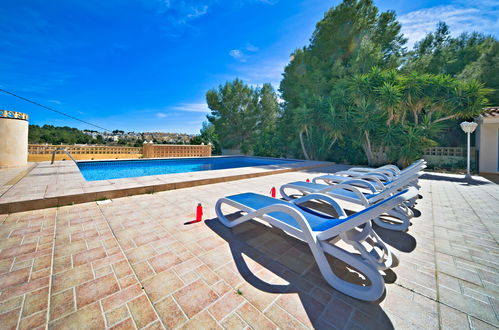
(413, 96)
(303, 121)
(388, 98)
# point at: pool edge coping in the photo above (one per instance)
(86, 197)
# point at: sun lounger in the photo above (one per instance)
(379, 181)
(386, 172)
(321, 232)
(347, 192)
(389, 167)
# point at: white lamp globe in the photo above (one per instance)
(468, 127)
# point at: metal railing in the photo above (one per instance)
(64, 150)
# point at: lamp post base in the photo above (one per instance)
(468, 177)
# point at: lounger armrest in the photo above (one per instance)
(405, 179)
(369, 213)
(380, 175)
(388, 170)
(344, 186)
(264, 211)
(394, 168)
(362, 183)
(372, 180)
(361, 169)
(356, 174)
(322, 197)
(321, 177)
(412, 170)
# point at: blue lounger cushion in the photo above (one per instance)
(318, 186)
(316, 221)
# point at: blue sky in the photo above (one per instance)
(146, 65)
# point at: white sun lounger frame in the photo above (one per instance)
(322, 242)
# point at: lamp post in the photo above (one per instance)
(468, 128)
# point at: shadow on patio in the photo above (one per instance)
(292, 270)
(454, 178)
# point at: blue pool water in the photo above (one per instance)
(118, 169)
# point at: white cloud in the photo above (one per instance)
(191, 107)
(238, 55)
(181, 13)
(161, 115)
(55, 102)
(269, 71)
(471, 16)
(197, 11)
(268, 2)
(251, 48)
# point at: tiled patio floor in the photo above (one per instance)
(132, 263)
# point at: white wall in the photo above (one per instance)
(13, 142)
(488, 144)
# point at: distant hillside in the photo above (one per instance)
(60, 135)
(69, 135)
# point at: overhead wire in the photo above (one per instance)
(52, 109)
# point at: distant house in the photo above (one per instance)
(487, 141)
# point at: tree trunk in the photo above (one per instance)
(332, 143)
(390, 117)
(304, 150)
(444, 118)
(367, 148)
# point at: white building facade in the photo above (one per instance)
(487, 141)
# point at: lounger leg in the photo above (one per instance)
(223, 219)
(379, 254)
(394, 226)
(370, 292)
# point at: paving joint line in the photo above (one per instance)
(47, 319)
(445, 304)
(436, 278)
(201, 278)
(437, 287)
(479, 218)
(133, 270)
(15, 180)
(21, 312)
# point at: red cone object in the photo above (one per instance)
(272, 192)
(199, 213)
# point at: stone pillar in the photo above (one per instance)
(13, 138)
(147, 150)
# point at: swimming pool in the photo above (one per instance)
(119, 169)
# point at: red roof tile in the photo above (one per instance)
(491, 112)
